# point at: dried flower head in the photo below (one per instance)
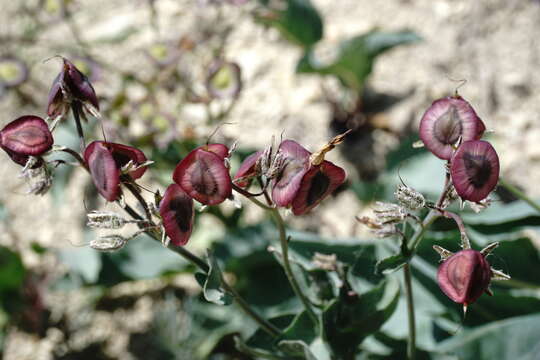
(447, 121)
(475, 170)
(409, 197)
(109, 242)
(202, 174)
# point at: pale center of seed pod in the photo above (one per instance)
(448, 128)
(203, 180)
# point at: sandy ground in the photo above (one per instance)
(494, 44)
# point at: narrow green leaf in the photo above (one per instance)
(390, 264)
(212, 289)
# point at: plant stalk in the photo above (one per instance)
(287, 266)
(411, 343)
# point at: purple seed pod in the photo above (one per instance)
(296, 165)
(247, 170)
(26, 136)
(105, 161)
(445, 122)
(202, 174)
(474, 169)
(69, 85)
(319, 182)
(464, 276)
(177, 211)
(302, 184)
(224, 79)
(13, 71)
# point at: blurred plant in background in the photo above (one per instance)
(252, 285)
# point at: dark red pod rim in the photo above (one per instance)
(55, 99)
(103, 169)
(203, 175)
(247, 169)
(319, 182)
(474, 170)
(445, 122)
(122, 154)
(79, 84)
(464, 276)
(27, 135)
(177, 212)
(296, 164)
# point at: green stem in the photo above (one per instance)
(519, 194)
(411, 344)
(287, 266)
(203, 266)
(419, 233)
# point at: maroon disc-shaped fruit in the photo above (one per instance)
(474, 170)
(177, 211)
(202, 174)
(26, 136)
(247, 169)
(105, 161)
(445, 122)
(103, 169)
(319, 182)
(296, 164)
(73, 82)
(464, 276)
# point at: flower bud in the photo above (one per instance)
(26, 136)
(70, 85)
(464, 276)
(105, 160)
(108, 243)
(474, 170)
(177, 212)
(202, 174)
(105, 220)
(447, 121)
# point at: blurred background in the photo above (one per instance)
(168, 73)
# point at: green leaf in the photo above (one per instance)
(212, 287)
(350, 319)
(512, 339)
(356, 56)
(12, 271)
(390, 264)
(300, 23)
